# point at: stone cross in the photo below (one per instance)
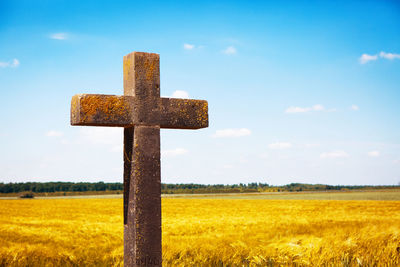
(142, 113)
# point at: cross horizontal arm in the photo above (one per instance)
(183, 113)
(102, 110)
(112, 110)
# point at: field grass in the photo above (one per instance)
(206, 232)
(311, 195)
(388, 194)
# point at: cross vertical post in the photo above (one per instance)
(142, 178)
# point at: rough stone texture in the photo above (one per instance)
(183, 113)
(112, 110)
(144, 209)
(101, 110)
(142, 80)
(142, 112)
(142, 231)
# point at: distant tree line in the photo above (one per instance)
(215, 188)
(51, 187)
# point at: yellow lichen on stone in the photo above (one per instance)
(150, 67)
(116, 107)
(205, 113)
(74, 108)
(105, 107)
(127, 66)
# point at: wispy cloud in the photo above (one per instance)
(365, 58)
(297, 110)
(374, 153)
(334, 154)
(230, 50)
(54, 133)
(389, 56)
(173, 152)
(59, 36)
(180, 94)
(354, 107)
(188, 46)
(293, 109)
(232, 133)
(15, 63)
(12, 64)
(280, 145)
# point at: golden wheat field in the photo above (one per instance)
(205, 232)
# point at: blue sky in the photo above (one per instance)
(298, 91)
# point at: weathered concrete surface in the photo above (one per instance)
(144, 208)
(183, 113)
(125, 111)
(142, 231)
(142, 80)
(142, 112)
(101, 110)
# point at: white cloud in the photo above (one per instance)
(53, 133)
(188, 46)
(374, 153)
(180, 94)
(15, 63)
(296, 110)
(317, 107)
(174, 152)
(232, 133)
(366, 58)
(354, 107)
(280, 145)
(334, 154)
(59, 36)
(12, 64)
(389, 56)
(230, 50)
